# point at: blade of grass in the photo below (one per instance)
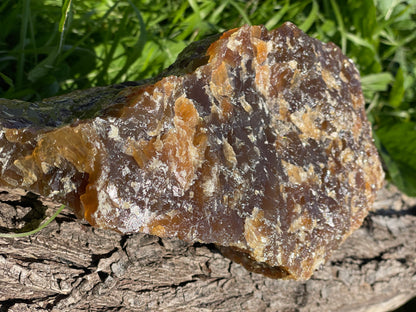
(374, 103)
(23, 33)
(110, 54)
(377, 82)
(42, 226)
(397, 91)
(33, 39)
(89, 33)
(216, 15)
(393, 4)
(65, 10)
(7, 79)
(311, 17)
(66, 7)
(180, 13)
(206, 9)
(360, 41)
(4, 4)
(241, 11)
(195, 7)
(138, 49)
(271, 23)
(341, 25)
(42, 68)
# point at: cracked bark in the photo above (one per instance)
(70, 266)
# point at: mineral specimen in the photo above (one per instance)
(258, 144)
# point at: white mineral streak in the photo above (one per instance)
(113, 133)
(252, 137)
(293, 64)
(156, 164)
(138, 219)
(125, 171)
(4, 154)
(211, 182)
(105, 205)
(233, 44)
(68, 185)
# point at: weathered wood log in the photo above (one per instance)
(70, 266)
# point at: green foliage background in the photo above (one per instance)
(50, 47)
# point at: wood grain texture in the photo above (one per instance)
(70, 266)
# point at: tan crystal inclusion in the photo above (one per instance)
(263, 149)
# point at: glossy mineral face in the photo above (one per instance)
(263, 150)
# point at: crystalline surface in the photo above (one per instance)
(262, 148)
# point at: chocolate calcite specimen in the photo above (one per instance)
(258, 144)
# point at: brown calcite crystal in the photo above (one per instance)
(259, 143)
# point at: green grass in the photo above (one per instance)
(51, 47)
